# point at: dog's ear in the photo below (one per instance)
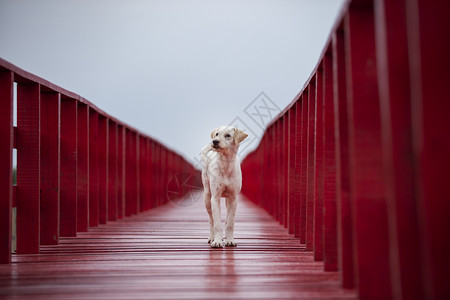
(213, 133)
(239, 135)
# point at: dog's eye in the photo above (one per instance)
(217, 134)
(227, 135)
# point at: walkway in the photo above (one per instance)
(163, 254)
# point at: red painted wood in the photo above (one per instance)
(28, 167)
(428, 45)
(130, 169)
(366, 157)
(102, 169)
(68, 172)
(318, 167)
(298, 166)
(343, 191)
(50, 168)
(121, 172)
(401, 191)
(137, 146)
(113, 174)
(163, 253)
(285, 169)
(93, 169)
(82, 167)
(310, 185)
(6, 146)
(329, 168)
(291, 171)
(144, 170)
(304, 162)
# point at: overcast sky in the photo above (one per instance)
(173, 69)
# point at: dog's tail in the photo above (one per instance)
(204, 155)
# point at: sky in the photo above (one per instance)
(174, 69)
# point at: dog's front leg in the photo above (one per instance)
(231, 214)
(216, 214)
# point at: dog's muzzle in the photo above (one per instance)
(216, 144)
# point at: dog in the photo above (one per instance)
(222, 177)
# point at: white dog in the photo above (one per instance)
(222, 177)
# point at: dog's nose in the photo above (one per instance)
(216, 142)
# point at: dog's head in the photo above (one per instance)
(227, 138)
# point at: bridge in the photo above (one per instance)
(345, 197)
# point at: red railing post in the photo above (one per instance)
(310, 163)
(298, 166)
(121, 163)
(103, 169)
(113, 182)
(304, 170)
(291, 172)
(344, 209)
(50, 168)
(93, 169)
(6, 157)
(401, 190)
(82, 167)
(28, 167)
(318, 167)
(68, 180)
(428, 30)
(329, 168)
(366, 156)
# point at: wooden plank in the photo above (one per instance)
(50, 168)
(102, 169)
(6, 150)
(329, 169)
(93, 169)
(163, 253)
(82, 167)
(28, 167)
(343, 189)
(68, 180)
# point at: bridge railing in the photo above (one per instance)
(357, 165)
(77, 166)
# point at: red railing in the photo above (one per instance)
(77, 167)
(357, 165)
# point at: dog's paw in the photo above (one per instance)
(216, 244)
(210, 240)
(230, 243)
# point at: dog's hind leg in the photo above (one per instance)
(217, 227)
(231, 204)
(207, 198)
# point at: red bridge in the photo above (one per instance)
(346, 195)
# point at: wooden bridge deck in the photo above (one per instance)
(163, 254)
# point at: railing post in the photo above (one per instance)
(121, 163)
(6, 150)
(304, 170)
(28, 167)
(318, 167)
(93, 169)
(366, 156)
(298, 166)
(428, 33)
(291, 172)
(329, 168)
(344, 209)
(82, 167)
(50, 168)
(68, 180)
(113, 182)
(103, 169)
(396, 128)
(310, 186)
